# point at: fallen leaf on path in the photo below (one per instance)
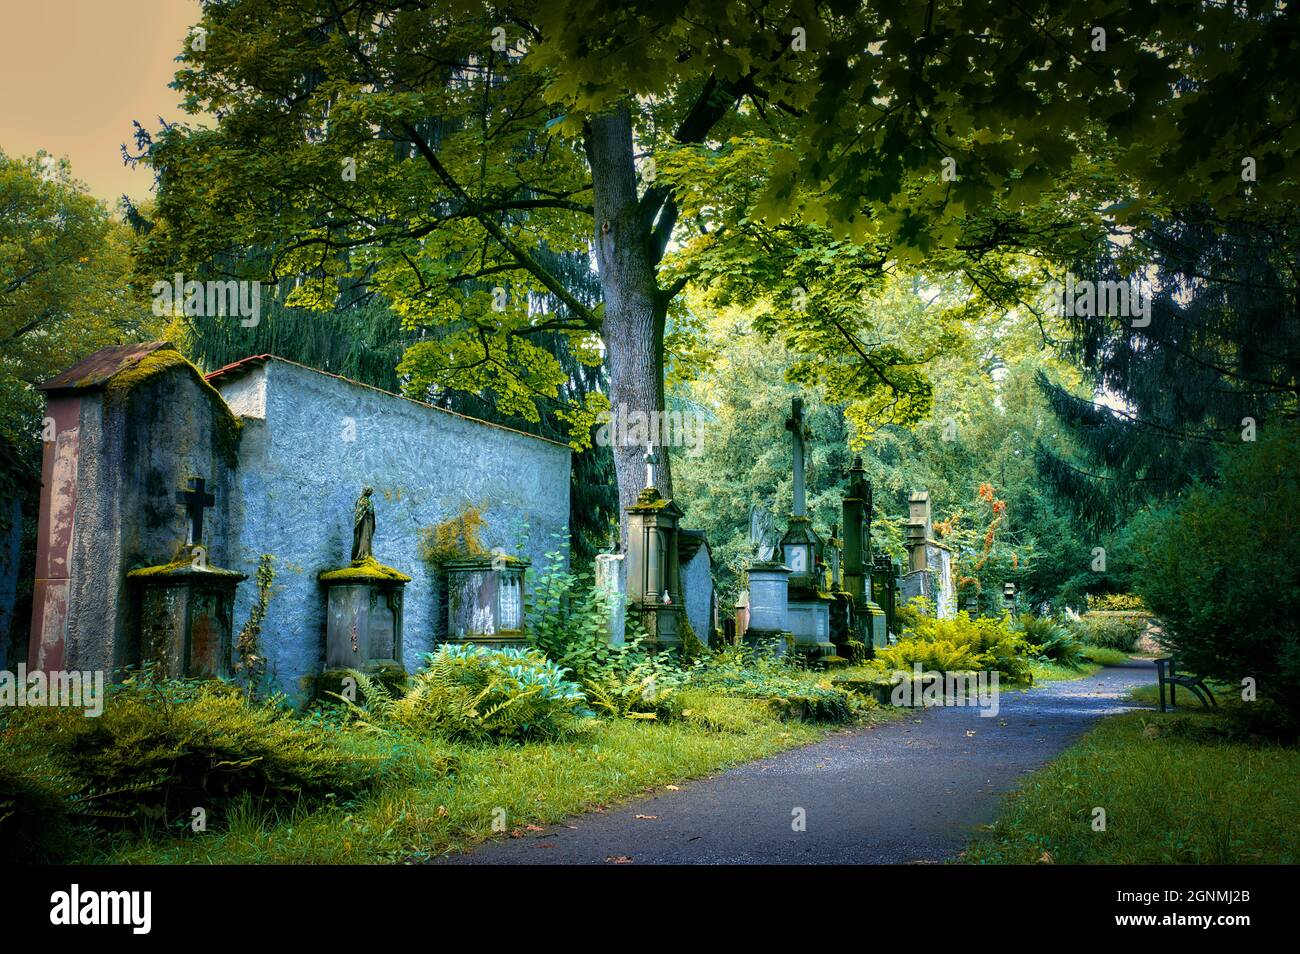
(620, 859)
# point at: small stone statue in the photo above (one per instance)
(763, 536)
(363, 526)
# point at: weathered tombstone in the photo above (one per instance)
(363, 608)
(871, 619)
(742, 614)
(808, 609)
(696, 562)
(185, 606)
(131, 426)
(653, 568)
(884, 588)
(485, 599)
(929, 563)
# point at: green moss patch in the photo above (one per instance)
(363, 571)
(228, 427)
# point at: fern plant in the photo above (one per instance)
(1053, 639)
(476, 693)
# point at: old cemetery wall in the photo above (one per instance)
(311, 441)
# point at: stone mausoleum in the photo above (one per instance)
(163, 488)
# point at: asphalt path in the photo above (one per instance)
(911, 791)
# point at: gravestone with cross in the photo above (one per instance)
(195, 500)
(186, 618)
(116, 580)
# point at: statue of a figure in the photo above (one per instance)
(363, 526)
(763, 537)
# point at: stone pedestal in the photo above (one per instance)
(485, 600)
(185, 617)
(769, 585)
(363, 621)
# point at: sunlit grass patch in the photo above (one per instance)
(1173, 790)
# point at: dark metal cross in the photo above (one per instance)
(196, 500)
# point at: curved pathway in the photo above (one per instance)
(908, 791)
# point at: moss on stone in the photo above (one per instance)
(227, 426)
(180, 568)
(362, 571)
(457, 538)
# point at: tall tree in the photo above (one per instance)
(428, 147)
(1216, 361)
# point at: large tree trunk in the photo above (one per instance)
(633, 327)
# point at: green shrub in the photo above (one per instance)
(1111, 632)
(567, 619)
(961, 644)
(164, 747)
(37, 802)
(1116, 602)
(643, 688)
(933, 655)
(1054, 640)
(720, 713)
(477, 693)
(1222, 571)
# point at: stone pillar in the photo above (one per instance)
(855, 510)
(611, 578)
(918, 531)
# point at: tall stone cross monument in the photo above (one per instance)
(807, 613)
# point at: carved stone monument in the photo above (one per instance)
(808, 608)
(929, 563)
(485, 599)
(363, 621)
(769, 608)
(870, 626)
(653, 570)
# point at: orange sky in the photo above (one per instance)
(74, 73)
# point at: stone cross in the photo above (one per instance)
(651, 459)
(195, 500)
(795, 426)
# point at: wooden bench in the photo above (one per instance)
(1167, 674)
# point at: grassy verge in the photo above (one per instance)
(1105, 657)
(534, 784)
(1174, 791)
